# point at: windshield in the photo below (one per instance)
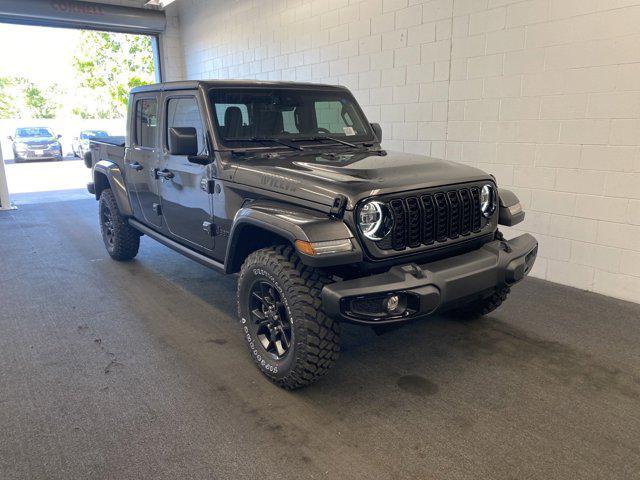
(33, 132)
(93, 133)
(287, 114)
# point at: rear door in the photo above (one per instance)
(141, 159)
(186, 202)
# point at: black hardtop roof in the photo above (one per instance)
(194, 84)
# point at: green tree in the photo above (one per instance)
(8, 102)
(41, 103)
(110, 65)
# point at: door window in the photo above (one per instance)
(184, 112)
(146, 122)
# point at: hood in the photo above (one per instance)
(322, 177)
(36, 140)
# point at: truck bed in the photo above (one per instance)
(117, 140)
(107, 148)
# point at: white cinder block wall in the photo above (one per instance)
(545, 94)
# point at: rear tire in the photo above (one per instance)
(291, 340)
(484, 306)
(121, 239)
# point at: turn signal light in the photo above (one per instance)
(324, 248)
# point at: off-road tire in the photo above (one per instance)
(124, 241)
(484, 306)
(315, 337)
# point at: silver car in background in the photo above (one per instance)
(36, 143)
(80, 144)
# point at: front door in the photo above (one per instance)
(184, 188)
(141, 160)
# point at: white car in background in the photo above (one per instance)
(80, 145)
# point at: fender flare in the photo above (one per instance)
(510, 209)
(107, 174)
(290, 223)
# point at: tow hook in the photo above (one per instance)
(503, 243)
(414, 270)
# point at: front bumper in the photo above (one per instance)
(44, 154)
(436, 286)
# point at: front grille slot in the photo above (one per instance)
(432, 218)
(414, 219)
(476, 216)
(465, 207)
(442, 217)
(428, 217)
(399, 233)
(454, 213)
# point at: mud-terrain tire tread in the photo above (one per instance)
(317, 343)
(127, 238)
(484, 306)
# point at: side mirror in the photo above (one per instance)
(511, 212)
(10, 138)
(58, 136)
(377, 129)
(183, 141)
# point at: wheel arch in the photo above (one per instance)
(263, 224)
(107, 174)
(249, 237)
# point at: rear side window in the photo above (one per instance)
(184, 112)
(146, 122)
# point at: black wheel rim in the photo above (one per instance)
(269, 320)
(107, 224)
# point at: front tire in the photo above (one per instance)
(291, 340)
(121, 239)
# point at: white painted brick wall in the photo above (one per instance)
(542, 93)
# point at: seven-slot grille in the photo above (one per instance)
(425, 219)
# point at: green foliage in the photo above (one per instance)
(20, 98)
(41, 103)
(110, 65)
(107, 66)
(8, 107)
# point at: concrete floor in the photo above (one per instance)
(138, 370)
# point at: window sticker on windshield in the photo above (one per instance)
(349, 131)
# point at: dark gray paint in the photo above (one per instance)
(108, 174)
(285, 192)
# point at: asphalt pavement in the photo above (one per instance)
(138, 370)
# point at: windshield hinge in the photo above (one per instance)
(338, 207)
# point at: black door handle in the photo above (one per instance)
(164, 174)
(136, 166)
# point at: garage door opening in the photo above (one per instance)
(59, 88)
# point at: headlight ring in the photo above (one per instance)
(375, 220)
(488, 200)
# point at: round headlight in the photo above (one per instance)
(488, 200)
(375, 220)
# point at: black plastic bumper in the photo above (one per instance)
(438, 285)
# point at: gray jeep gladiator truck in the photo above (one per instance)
(287, 185)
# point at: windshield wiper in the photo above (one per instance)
(266, 139)
(324, 137)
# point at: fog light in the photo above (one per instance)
(392, 303)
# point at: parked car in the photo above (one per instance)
(287, 185)
(36, 143)
(80, 144)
